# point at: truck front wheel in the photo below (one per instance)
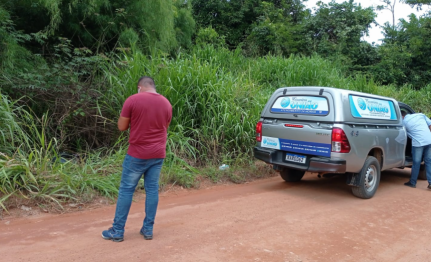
(369, 179)
(291, 175)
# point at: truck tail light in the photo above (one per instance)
(340, 143)
(259, 131)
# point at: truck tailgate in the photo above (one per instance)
(298, 136)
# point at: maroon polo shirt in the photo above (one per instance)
(150, 115)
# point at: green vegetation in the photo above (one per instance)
(66, 67)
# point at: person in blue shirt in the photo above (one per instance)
(418, 128)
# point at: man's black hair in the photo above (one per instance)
(404, 113)
(146, 81)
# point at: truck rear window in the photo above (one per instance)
(371, 108)
(306, 105)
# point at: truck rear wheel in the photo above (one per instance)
(422, 173)
(369, 179)
(291, 175)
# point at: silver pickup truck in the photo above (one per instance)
(330, 130)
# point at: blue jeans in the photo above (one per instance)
(133, 168)
(417, 153)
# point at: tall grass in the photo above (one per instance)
(38, 177)
(213, 110)
(30, 166)
(12, 134)
(217, 97)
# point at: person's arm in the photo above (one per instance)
(126, 113)
(405, 124)
(123, 123)
(428, 122)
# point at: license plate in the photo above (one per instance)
(296, 158)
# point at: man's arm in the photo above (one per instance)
(123, 123)
(126, 114)
(428, 122)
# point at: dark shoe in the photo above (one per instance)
(110, 234)
(429, 186)
(410, 184)
(147, 235)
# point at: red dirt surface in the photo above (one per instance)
(266, 220)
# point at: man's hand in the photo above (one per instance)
(123, 123)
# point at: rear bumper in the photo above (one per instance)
(314, 164)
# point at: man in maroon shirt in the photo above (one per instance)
(148, 115)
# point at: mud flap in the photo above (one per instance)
(353, 179)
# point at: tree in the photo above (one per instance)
(13, 57)
(185, 25)
(336, 30)
(405, 53)
(236, 19)
(229, 18)
(418, 3)
(390, 6)
(99, 24)
(274, 32)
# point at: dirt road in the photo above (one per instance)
(267, 220)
